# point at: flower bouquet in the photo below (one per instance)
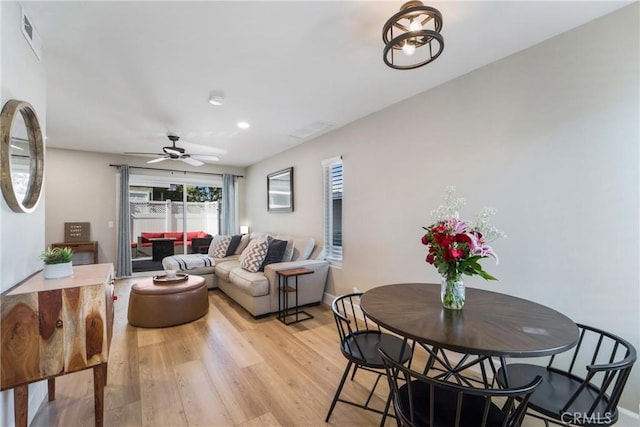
(456, 247)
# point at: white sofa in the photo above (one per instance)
(258, 292)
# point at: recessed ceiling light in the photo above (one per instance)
(243, 125)
(216, 100)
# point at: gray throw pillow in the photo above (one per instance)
(233, 245)
(275, 252)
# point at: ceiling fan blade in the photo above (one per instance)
(159, 159)
(192, 162)
(205, 157)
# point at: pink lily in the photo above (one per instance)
(477, 248)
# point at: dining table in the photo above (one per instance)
(490, 326)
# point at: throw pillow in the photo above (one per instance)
(233, 245)
(275, 251)
(252, 257)
(219, 245)
(288, 253)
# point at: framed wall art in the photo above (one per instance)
(280, 191)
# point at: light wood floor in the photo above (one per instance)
(225, 369)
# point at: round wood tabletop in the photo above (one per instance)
(490, 323)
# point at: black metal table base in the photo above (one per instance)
(284, 311)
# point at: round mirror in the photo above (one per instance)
(21, 156)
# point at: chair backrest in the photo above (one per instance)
(602, 362)
(351, 320)
(453, 404)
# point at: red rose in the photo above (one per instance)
(450, 254)
(440, 228)
(425, 240)
(443, 239)
(456, 253)
(430, 258)
(463, 238)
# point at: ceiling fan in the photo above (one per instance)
(177, 153)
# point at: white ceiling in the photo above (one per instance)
(121, 75)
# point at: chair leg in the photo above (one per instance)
(339, 390)
(366, 404)
(353, 375)
(386, 411)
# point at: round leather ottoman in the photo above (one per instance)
(157, 305)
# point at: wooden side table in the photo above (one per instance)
(56, 327)
(284, 311)
(78, 247)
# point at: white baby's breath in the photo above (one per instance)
(451, 205)
(482, 224)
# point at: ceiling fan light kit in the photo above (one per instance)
(414, 31)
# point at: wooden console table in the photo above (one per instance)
(55, 327)
(79, 247)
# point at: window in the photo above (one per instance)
(161, 204)
(332, 180)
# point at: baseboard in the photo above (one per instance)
(627, 418)
(328, 299)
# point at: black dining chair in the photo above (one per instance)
(419, 400)
(360, 339)
(581, 387)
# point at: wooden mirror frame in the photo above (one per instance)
(271, 192)
(36, 156)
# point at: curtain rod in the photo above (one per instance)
(174, 170)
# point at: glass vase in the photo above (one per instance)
(452, 293)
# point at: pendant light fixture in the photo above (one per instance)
(412, 36)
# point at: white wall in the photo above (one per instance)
(82, 187)
(549, 136)
(22, 234)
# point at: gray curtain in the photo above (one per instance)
(123, 252)
(228, 213)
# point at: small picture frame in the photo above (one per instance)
(280, 191)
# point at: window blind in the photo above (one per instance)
(333, 189)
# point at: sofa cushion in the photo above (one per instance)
(302, 246)
(244, 242)
(233, 245)
(254, 284)
(288, 253)
(275, 251)
(223, 268)
(195, 235)
(251, 258)
(218, 247)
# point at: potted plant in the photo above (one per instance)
(57, 262)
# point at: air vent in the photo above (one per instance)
(30, 33)
(310, 130)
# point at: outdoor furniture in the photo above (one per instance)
(145, 240)
(583, 389)
(419, 400)
(161, 248)
(359, 343)
(200, 245)
(158, 305)
(491, 325)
